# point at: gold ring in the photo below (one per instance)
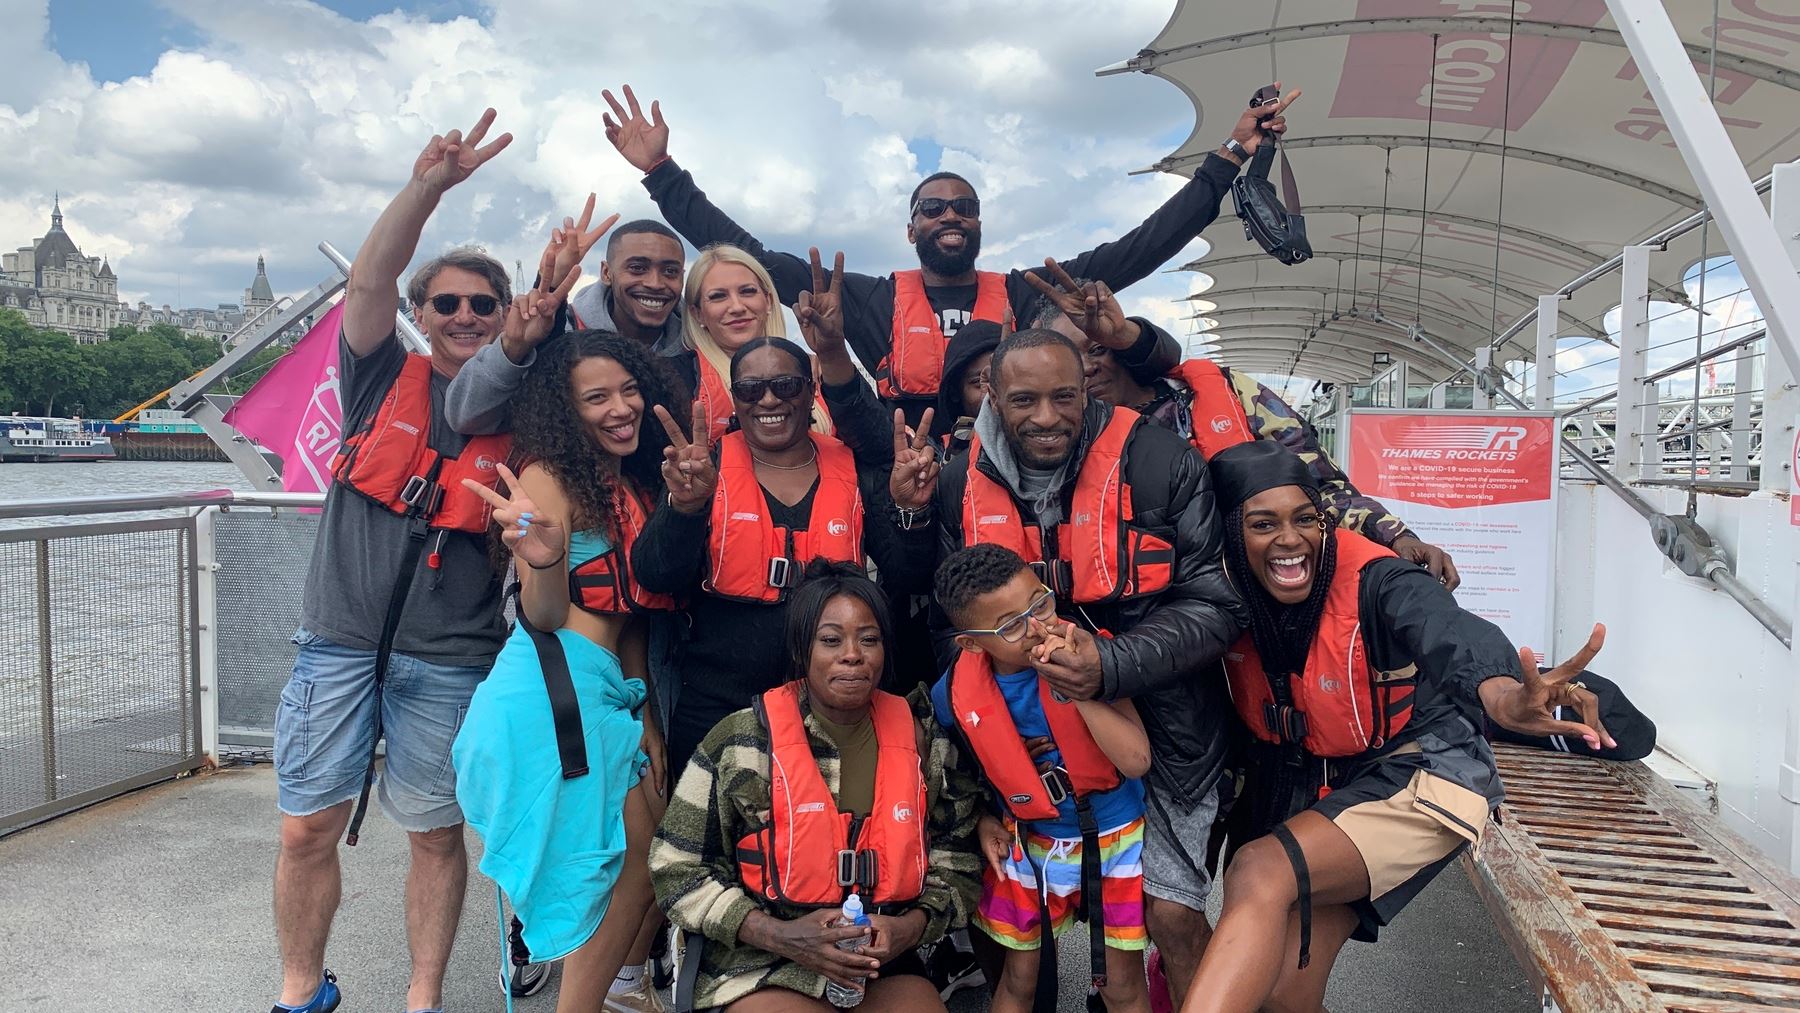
(1578, 685)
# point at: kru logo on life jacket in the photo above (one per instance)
(914, 366)
(604, 585)
(1102, 556)
(390, 460)
(715, 400)
(1000, 752)
(810, 854)
(749, 558)
(1213, 398)
(1340, 705)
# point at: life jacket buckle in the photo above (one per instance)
(846, 868)
(867, 868)
(1056, 574)
(1057, 785)
(782, 572)
(1287, 724)
(422, 496)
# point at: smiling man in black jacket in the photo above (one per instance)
(897, 323)
(1050, 474)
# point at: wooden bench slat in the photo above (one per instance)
(1620, 816)
(1761, 916)
(1617, 922)
(1676, 984)
(1632, 942)
(1539, 823)
(1745, 968)
(1652, 877)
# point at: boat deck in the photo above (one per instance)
(160, 900)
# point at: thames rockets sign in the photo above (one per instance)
(1482, 487)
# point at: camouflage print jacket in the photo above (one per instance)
(1271, 418)
(725, 791)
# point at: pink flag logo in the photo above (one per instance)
(295, 409)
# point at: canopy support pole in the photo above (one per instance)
(1669, 74)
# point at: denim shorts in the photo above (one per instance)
(1175, 839)
(325, 732)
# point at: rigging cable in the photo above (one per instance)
(1712, 97)
(1425, 183)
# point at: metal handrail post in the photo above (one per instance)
(1741, 408)
(206, 631)
(1548, 307)
(46, 671)
(1632, 422)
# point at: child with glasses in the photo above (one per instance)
(1068, 838)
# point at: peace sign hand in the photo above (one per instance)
(448, 159)
(530, 317)
(537, 541)
(687, 467)
(573, 241)
(916, 467)
(1527, 705)
(821, 311)
(1091, 307)
(643, 142)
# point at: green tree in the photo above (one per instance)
(41, 366)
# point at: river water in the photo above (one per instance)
(112, 478)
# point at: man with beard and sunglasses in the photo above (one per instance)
(401, 617)
(897, 324)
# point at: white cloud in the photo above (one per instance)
(288, 124)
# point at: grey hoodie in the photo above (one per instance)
(479, 399)
(1036, 486)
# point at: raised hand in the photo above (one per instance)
(573, 241)
(1527, 705)
(916, 467)
(1267, 117)
(532, 315)
(1072, 664)
(537, 541)
(1091, 307)
(643, 142)
(821, 311)
(687, 467)
(450, 158)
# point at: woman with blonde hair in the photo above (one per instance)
(729, 300)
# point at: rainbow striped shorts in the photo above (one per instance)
(1009, 902)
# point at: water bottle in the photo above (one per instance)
(851, 914)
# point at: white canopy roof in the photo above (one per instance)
(1587, 163)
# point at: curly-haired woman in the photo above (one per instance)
(557, 768)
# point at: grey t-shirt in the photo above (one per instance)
(452, 614)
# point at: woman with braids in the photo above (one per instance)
(559, 769)
(755, 868)
(1362, 685)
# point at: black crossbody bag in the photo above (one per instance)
(1272, 221)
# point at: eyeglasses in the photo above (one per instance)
(786, 388)
(934, 207)
(447, 304)
(1043, 609)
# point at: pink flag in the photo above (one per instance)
(294, 410)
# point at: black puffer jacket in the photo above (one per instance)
(1165, 649)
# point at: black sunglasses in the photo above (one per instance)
(786, 388)
(934, 207)
(447, 305)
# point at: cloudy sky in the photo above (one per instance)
(188, 136)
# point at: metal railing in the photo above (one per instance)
(132, 647)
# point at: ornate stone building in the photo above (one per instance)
(58, 288)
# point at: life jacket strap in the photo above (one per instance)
(1303, 885)
(1093, 905)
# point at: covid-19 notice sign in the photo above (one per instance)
(1481, 486)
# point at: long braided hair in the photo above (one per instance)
(1283, 635)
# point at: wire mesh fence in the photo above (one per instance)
(262, 561)
(99, 685)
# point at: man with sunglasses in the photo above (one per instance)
(897, 324)
(1146, 590)
(401, 617)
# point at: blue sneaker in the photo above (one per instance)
(324, 1000)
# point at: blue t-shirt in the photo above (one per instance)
(1112, 809)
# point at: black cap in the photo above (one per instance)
(973, 340)
(1242, 471)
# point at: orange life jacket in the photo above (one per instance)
(1340, 705)
(992, 735)
(604, 585)
(1097, 554)
(914, 366)
(390, 460)
(751, 559)
(714, 396)
(811, 854)
(1217, 411)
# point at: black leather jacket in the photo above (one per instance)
(1165, 650)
